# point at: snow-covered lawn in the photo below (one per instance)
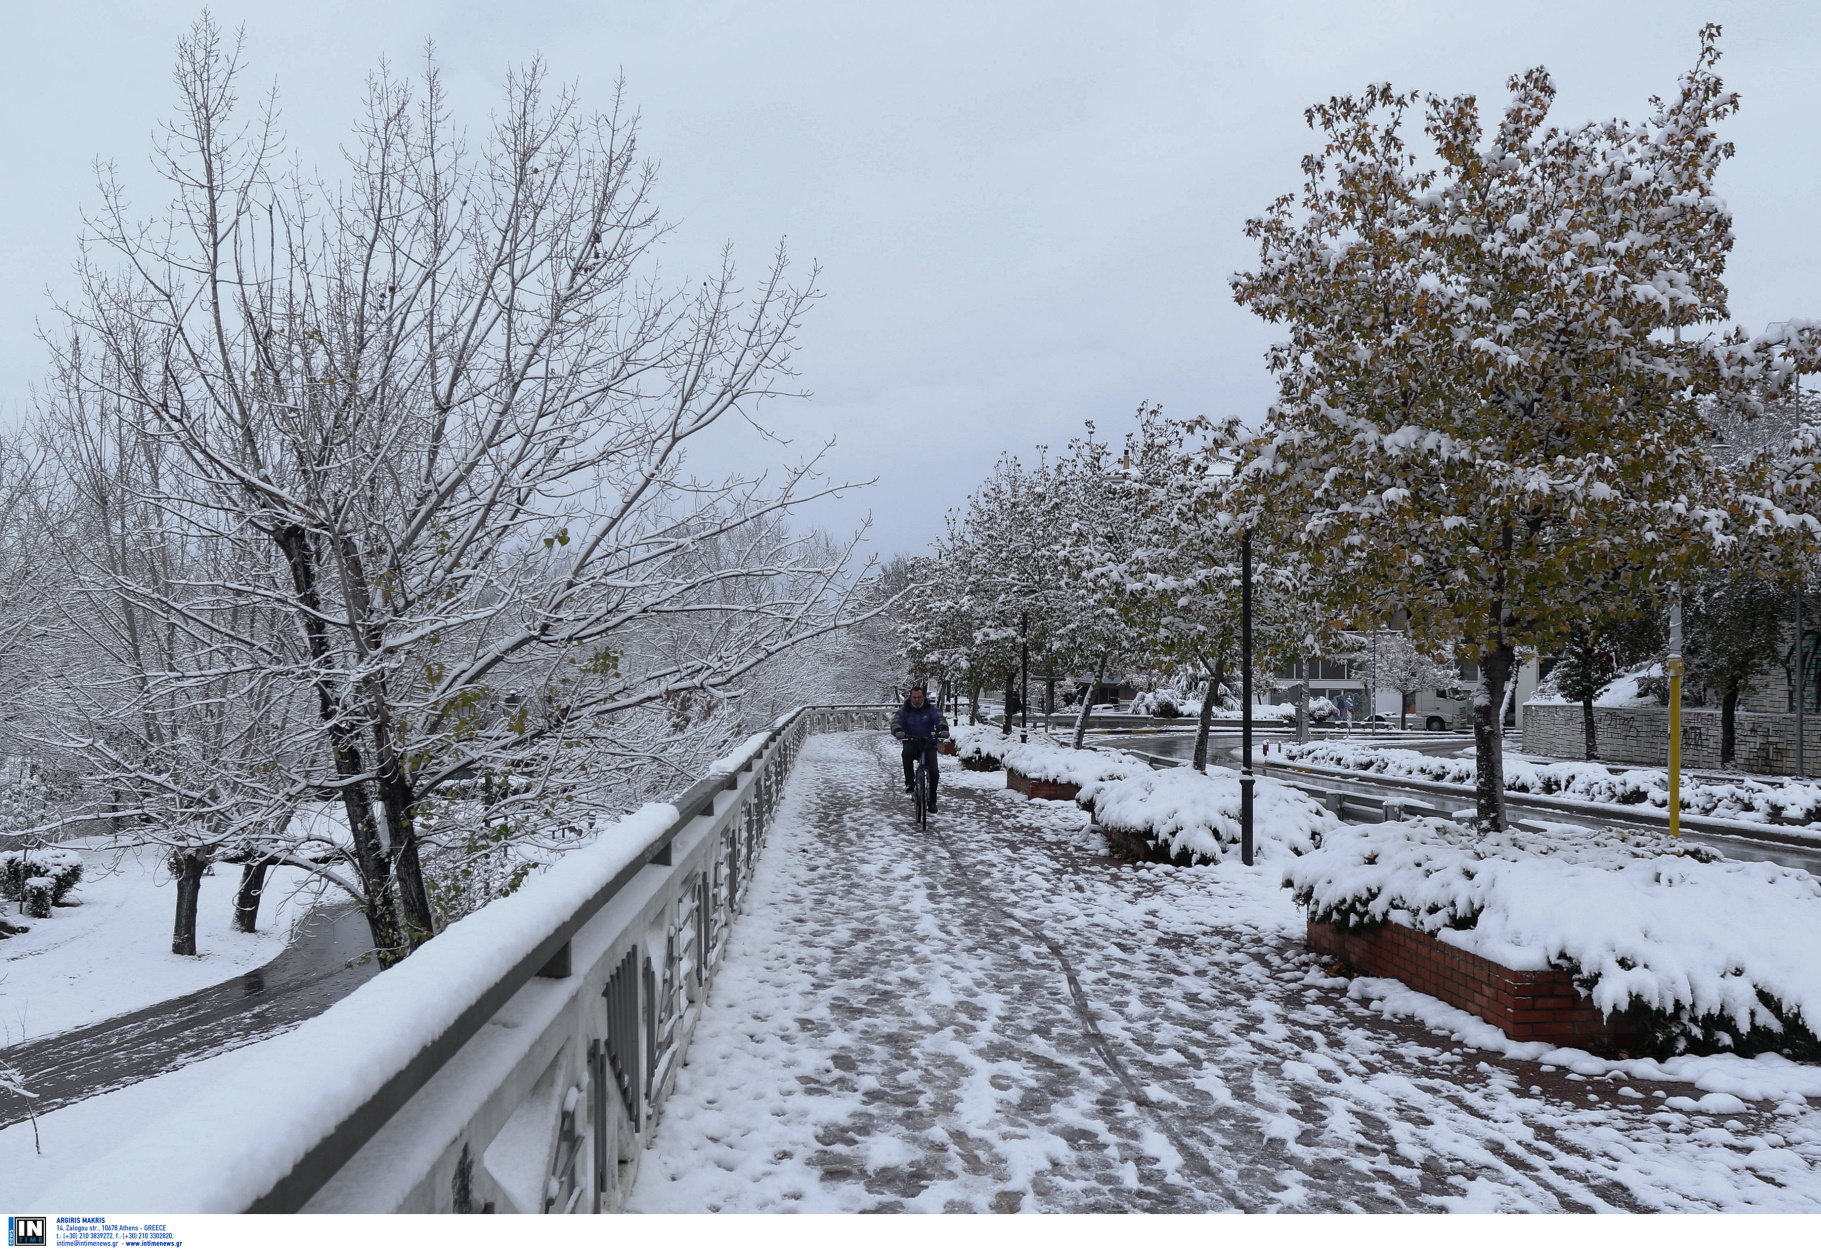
(1745, 799)
(113, 954)
(996, 1016)
(35, 1157)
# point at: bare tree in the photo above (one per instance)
(447, 399)
(181, 713)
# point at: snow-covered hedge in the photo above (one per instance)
(1796, 802)
(1166, 704)
(1229, 710)
(1712, 954)
(1045, 759)
(61, 868)
(977, 746)
(1194, 817)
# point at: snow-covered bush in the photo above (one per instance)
(977, 747)
(1321, 707)
(61, 868)
(1706, 954)
(1045, 759)
(35, 899)
(1163, 704)
(1193, 818)
(1796, 802)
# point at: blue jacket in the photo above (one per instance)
(919, 722)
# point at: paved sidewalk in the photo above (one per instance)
(994, 1015)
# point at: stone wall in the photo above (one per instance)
(1766, 741)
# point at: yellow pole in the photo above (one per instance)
(1675, 745)
(1673, 666)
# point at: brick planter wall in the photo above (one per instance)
(1032, 789)
(1527, 1006)
(1131, 847)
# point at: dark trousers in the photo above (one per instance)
(909, 755)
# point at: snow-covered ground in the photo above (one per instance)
(994, 1015)
(33, 1157)
(1790, 802)
(113, 954)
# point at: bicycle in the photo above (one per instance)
(923, 786)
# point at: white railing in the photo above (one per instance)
(516, 1063)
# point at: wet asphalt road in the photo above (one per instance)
(318, 968)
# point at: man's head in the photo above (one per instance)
(917, 696)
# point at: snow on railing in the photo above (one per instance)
(515, 1062)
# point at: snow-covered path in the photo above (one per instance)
(994, 1015)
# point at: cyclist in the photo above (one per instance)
(919, 726)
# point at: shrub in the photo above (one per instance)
(60, 868)
(35, 899)
(1162, 704)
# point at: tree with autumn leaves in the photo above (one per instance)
(1500, 357)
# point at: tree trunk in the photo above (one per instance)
(1403, 709)
(187, 867)
(1087, 704)
(1489, 739)
(246, 899)
(1589, 735)
(399, 799)
(1729, 705)
(973, 705)
(1215, 680)
(1011, 680)
(370, 858)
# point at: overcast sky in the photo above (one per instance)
(1025, 214)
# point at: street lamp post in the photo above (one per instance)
(1801, 655)
(1245, 698)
